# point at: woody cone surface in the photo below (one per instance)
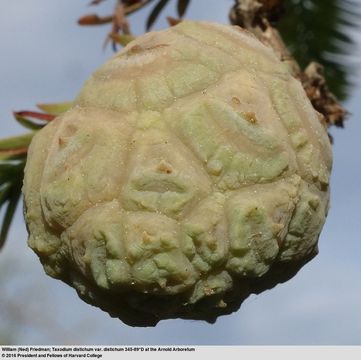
(191, 172)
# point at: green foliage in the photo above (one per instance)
(11, 179)
(13, 153)
(317, 30)
(12, 163)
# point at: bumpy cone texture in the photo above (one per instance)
(191, 171)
